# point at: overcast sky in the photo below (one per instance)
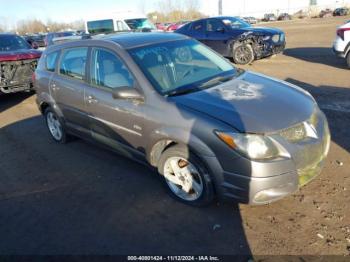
(71, 10)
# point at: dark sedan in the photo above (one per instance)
(341, 11)
(35, 40)
(235, 38)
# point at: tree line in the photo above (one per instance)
(32, 26)
(176, 10)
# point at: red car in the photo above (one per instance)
(174, 26)
(162, 26)
(18, 61)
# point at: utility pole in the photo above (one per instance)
(244, 10)
(220, 7)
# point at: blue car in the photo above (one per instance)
(234, 38)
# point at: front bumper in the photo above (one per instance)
(266, 182)
(16, 76)
(270, 48)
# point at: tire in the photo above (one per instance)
(243, 54)
(52, 122)
(348, 59)
(200, 195)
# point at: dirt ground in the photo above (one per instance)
(81, 199)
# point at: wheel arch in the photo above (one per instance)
(171, 137)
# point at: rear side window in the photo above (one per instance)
(73, 62)
(51, 61)
(197, 26)
(213, 25)
(108, 71)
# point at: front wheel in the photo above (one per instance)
(348, 59)
(243, 54)
(185, 177)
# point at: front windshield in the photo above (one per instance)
(140, 23)
(235, 23)
(12, 43)
(180, 65)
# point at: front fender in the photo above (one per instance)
(161, 138)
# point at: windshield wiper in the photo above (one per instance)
(215, 81)
(181, 92)
(204, 85)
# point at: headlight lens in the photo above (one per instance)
(256, 147)
(276, 38)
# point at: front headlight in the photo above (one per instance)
(276, 38)
(256, 147)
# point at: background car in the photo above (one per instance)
(341, 45)
(39, 40)
(284, 16)
(18, 61)
(174, 26)
(162, 26)
(341, 11)
(269, 17)
(50, 36)
(235, 38)
(326, 13)
(250, 19)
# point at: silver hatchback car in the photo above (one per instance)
(211, 130)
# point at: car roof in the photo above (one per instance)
(8, 34)
(126, 40)
(132, 40)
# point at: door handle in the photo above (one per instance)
(54, 87)
(92, 100)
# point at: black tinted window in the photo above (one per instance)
(107, 70)
(213, 25)
(73, 63)
(51, 61)
(197, 26)
(100, 26)
(12, 42)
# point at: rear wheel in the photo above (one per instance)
(55, 126)
(348, 59)
(185, 177)
(243, 54)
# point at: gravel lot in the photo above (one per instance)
(82, 199)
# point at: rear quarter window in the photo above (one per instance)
(50, 61)
(73, 62)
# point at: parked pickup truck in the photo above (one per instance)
(18, 60)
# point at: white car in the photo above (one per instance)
(341, 44)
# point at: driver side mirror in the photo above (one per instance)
(127, 92)
(220, 30)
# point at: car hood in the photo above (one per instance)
(252, 103)
(22, 54)
(263, 30)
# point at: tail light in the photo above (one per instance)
(341, 32)
(33, 77)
